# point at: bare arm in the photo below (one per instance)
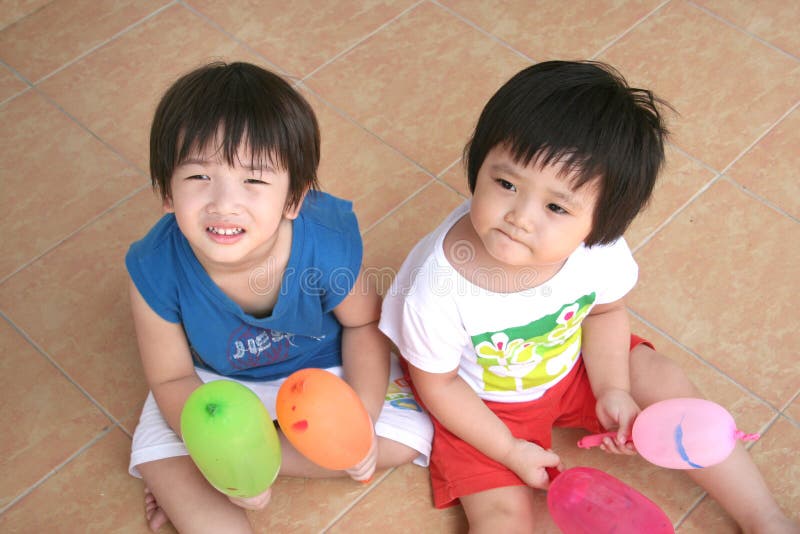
(462, 412)
(365, 350)
(606, 353)
(166, 359)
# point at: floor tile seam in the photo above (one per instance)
(440, 177)
(103, 43)
(692, 507)
(54, 471)
(788, 405)
(399, 205)
(361, 40)
(352, 120)
(244, 44)
(676, 213)
(360, 497)
(745, 31)
(760, 199)
(791, 420)
(629, 30)
(18, 75)
(73, 233)
(485, 32)
(52, 101)
(702, 360)
(25, 16)
(52, 361)
(769, 129)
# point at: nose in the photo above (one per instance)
(521, 216)
(224, 199)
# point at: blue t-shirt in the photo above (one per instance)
(301, 332)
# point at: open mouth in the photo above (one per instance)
(224, 231)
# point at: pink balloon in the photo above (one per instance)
(683, 433)
(583, 500)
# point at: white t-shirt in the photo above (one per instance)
(509, 347)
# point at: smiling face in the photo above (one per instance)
(529, 216)
(232, 215)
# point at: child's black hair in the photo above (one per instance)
(242, 103)
(584, 116)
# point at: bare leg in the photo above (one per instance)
(508, 510)
(293, 464)
(184, 497)
(390, 454)
(736, 483)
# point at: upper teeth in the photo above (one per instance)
(225, 231)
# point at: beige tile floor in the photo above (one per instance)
(397, 85)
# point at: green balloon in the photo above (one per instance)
(231, 438)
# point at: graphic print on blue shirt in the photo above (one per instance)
(252, 347)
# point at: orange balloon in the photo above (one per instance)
(324, 419)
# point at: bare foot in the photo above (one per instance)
(156, 518)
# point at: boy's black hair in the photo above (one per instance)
(585, 116)
(249, 104)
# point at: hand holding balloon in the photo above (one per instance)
(682, 433)
(324, 419)
(232, 439)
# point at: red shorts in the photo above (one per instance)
(458, 469)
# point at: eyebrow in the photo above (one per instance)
(563, 196)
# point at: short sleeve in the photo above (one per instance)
(619, 271)
(338, 248)
(424, 324)
(145, 268)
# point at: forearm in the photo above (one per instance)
(171, 396)
(462, 412)
(606, 346)
(365, 359)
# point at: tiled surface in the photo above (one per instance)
(397, 86)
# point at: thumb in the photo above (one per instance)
(551, 459)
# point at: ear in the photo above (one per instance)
(167, 206)
(291, 212)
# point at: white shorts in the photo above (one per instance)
(401, 420)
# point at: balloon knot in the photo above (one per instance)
(746, 437)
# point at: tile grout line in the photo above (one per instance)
(760, 137)
(20, 77)
(347, 49)
(103, 43)
(357, 500)
(635, 25)
(72, 234)
(485, 32)
(396, 208)
(719, 175)
(30, 489)
(745, 31)
(352, 120)
(763, 200)
(674, 215)
(60, 369)
(214, 24)
(700, 359)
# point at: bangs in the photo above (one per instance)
(223, 109)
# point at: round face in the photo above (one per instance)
(529, 216)
(232, 216)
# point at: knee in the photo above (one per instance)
(507, 516)
(394, 454)
(655, 377)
